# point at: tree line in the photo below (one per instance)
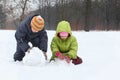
(82, 14)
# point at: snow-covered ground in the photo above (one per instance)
(100, 52)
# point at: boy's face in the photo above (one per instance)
(33, 30)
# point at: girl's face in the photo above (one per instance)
(63, 37)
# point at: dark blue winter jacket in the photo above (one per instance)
(24, 35)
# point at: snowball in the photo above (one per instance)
(33, 58)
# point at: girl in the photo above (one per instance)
(64, 45)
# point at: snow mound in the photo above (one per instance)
(33, 58)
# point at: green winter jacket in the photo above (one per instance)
(67, 47)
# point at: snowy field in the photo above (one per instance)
(100, 52)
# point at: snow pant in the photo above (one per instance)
(19, 54)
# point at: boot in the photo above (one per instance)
(77, 61)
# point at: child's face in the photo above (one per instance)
(63, 37)
(33, 30)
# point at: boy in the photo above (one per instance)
(30, 30)
(64, 45)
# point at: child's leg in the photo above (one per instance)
(19, 54)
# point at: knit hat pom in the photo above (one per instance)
(37, 23)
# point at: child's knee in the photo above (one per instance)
(18, 56)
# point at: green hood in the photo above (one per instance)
(63, 26)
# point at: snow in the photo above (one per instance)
(98, 49)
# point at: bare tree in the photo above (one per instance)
(23, 6)
(82, 14)
(87, 14)
(2, 15)
(117, 14)
(16, 9)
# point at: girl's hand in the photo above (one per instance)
(67, 58)
(59, 55)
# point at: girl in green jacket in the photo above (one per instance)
(64, 45)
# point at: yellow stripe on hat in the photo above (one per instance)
(34, 27)
(38, 22)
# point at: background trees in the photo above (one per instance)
(82, 14)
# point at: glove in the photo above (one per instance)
(28, 51)
(45, 55)
(59, 55)
(67, 58)
(76, 61)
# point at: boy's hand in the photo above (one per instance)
(59, 55)
(44, 53)
(29, 49)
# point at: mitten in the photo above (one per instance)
(45, 55)
(76, 61)
(67, 58)
(28, 51)
(59, 55)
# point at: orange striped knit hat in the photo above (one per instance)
(37, 23)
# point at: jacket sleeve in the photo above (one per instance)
(43, 41)
(20, 36)
(54, 47)
(73, 49)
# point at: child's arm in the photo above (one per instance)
(21, 41)
(54, 47)
(43, 41)
(73, 49)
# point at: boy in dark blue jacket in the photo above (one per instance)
(30, 30)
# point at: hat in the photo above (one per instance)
(63, 33)
(37, 23)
